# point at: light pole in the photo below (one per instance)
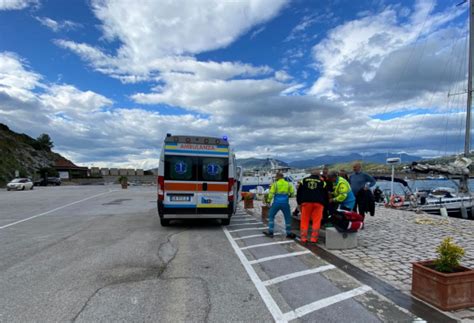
(392, 161)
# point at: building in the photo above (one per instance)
(67, 169)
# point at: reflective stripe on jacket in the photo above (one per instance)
(280, 191)
(342, 191)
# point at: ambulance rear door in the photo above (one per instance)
(212, 192)
(181, 186)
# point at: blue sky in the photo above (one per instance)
(287, 79)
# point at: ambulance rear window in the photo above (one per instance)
(180, 168)
(213, 169)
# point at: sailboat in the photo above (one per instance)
(442, 200)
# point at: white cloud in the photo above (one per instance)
(85, 129)
(367, 41)
(157, 36)
(17, 4)
(150, 70)
(58, 25)
(256, 32)
(261, 109)
(161, 28)
(15, 79)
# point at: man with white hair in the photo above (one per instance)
(360, 181)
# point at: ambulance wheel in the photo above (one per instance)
(165, 222)
(225, 221)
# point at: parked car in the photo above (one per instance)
(49, 181)
(20, 184)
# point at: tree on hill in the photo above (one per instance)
(44, 141)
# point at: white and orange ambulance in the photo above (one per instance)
(196, 179)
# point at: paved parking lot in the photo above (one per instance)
(98, 253)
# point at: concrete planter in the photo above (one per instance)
(265, 210)
(447, 291)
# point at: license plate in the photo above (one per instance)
(180, 198)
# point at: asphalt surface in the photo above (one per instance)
(98, 253)
(108, 259)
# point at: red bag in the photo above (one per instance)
(352, 216)
(347, 221)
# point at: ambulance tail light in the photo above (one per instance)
(230, 189)
(161, 188)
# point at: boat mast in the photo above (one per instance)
(467, 141)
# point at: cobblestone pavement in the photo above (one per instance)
(393, 239)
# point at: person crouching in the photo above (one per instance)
(310, 196)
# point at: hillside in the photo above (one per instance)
(23, 153)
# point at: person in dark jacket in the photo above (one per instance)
(365, 202)
(328, 208)
(311, 197)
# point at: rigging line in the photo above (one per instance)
(460, 138)
(451, 76)
(448, 132)
(457, 103)
(433, 88)
(454, 106)
(463, 85)
(404, 68)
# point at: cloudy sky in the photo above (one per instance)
(290, 79)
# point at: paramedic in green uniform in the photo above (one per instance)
(280, 192)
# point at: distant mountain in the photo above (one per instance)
(257, 163)
(379, 158)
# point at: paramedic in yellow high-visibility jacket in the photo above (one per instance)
(280, 192)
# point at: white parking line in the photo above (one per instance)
(245, 223)
(255, 236)
(262, 290)
(56, 209)
(247, 229)
(266, 244)
(325, 302)
(280, 279)
(293, 254)
(238, 220)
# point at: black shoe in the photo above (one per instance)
(268, 234)
(291, 236)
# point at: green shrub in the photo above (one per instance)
(449, 256)
(122, 179)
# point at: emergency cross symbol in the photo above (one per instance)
(180, 167)
(213, 169)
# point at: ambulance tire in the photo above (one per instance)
(164, 222)
(225, 221)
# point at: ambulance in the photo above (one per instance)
(197, 179)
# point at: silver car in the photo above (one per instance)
(20, 184)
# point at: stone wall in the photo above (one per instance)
(132, 179)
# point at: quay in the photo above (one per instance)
(389, 243)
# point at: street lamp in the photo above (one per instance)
(393, 161)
